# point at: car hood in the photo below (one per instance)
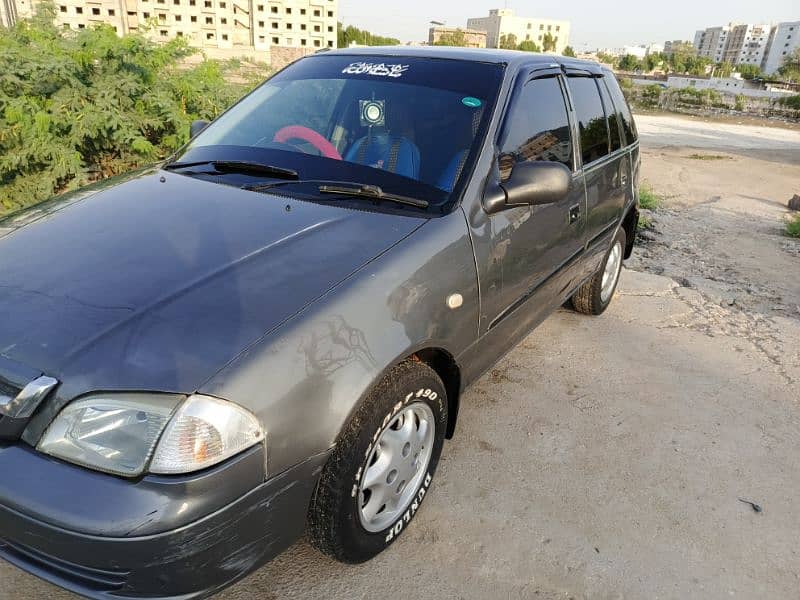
(158, 282)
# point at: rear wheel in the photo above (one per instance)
(594, 296)
(382, 466)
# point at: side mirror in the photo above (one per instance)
(531, 184)
(197, 127)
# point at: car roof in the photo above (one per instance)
(491, 55)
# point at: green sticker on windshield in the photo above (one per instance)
(471, 102)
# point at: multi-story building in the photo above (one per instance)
(784, 39)
(712, 42)
(472, 37)
(503, 22)
(670, 45)
(734, 43)
(746, 44)
(209, 24)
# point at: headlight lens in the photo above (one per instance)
(119, 433)
(115, 433)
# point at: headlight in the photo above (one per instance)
(120, 433)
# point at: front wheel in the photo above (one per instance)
(594, 296)
(382, 466)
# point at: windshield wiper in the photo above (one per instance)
(238, 166)
(373, 192)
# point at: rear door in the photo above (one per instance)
(603, 161)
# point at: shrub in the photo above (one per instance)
(648, 199)
(79, 106)
(793, 226)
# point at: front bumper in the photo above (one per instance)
(191, 561)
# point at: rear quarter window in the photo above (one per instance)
(622, 108)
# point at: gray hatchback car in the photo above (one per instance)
(269, 334)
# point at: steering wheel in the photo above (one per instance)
(298, 132)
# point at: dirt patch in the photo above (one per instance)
(720, 227)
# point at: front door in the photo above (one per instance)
(527, 260)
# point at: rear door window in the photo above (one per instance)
(537, 127)
(622, 108)
(591, 118)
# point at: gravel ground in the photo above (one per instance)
(605, 457)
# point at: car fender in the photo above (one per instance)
(304, 380)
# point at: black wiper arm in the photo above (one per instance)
(371, 191)
(238, 166)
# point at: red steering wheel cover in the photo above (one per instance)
(298, 132)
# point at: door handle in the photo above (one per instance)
(574, 213)
(624, 178)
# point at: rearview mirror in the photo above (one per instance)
(531, 184)
(196, 127)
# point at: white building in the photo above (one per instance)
(234, 25)
(730, 85)
(784, 39)
(503, 21)
(746, 44)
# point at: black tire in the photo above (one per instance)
(334, 522)
(588, 299)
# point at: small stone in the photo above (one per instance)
(794, 203)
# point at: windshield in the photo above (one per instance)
(408, 125)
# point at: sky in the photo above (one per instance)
(594, 24)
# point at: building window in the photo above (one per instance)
(222, 5)
(316, 27)
(274, 24)
(558, 27)
(193, 19)
(81, 26)
(224, 21)
(261, 23)
(316, 13)
(177, 18)
(288, 41)
(303, 42)
(288, 11)
(330, 28)
(163, 33)
(63, 9)
(330, 13)
(288, 26)
(530, 25)
(110, 12)
(145, 15)
(302, 11)
(177, 3)
(541, 27)
(209, 36)
(179, 33)
(209, 20)
(303, 26)
(275, 40)
(65, 26)
(225, 36)
(317, 43)
(262, 39)
(273, 10)
(192, 2)
(207, 3)
(330, 43)
(162, 17)
(79, 10)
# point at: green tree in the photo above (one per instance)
(529, 46)
(749, 71)
(508, 42)
(629, 63)
(79, 106)
(548, 42)
(568, 51)
(350, 34)
(723, 69)
(456, 38)
(608, 59)
(790, 69)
